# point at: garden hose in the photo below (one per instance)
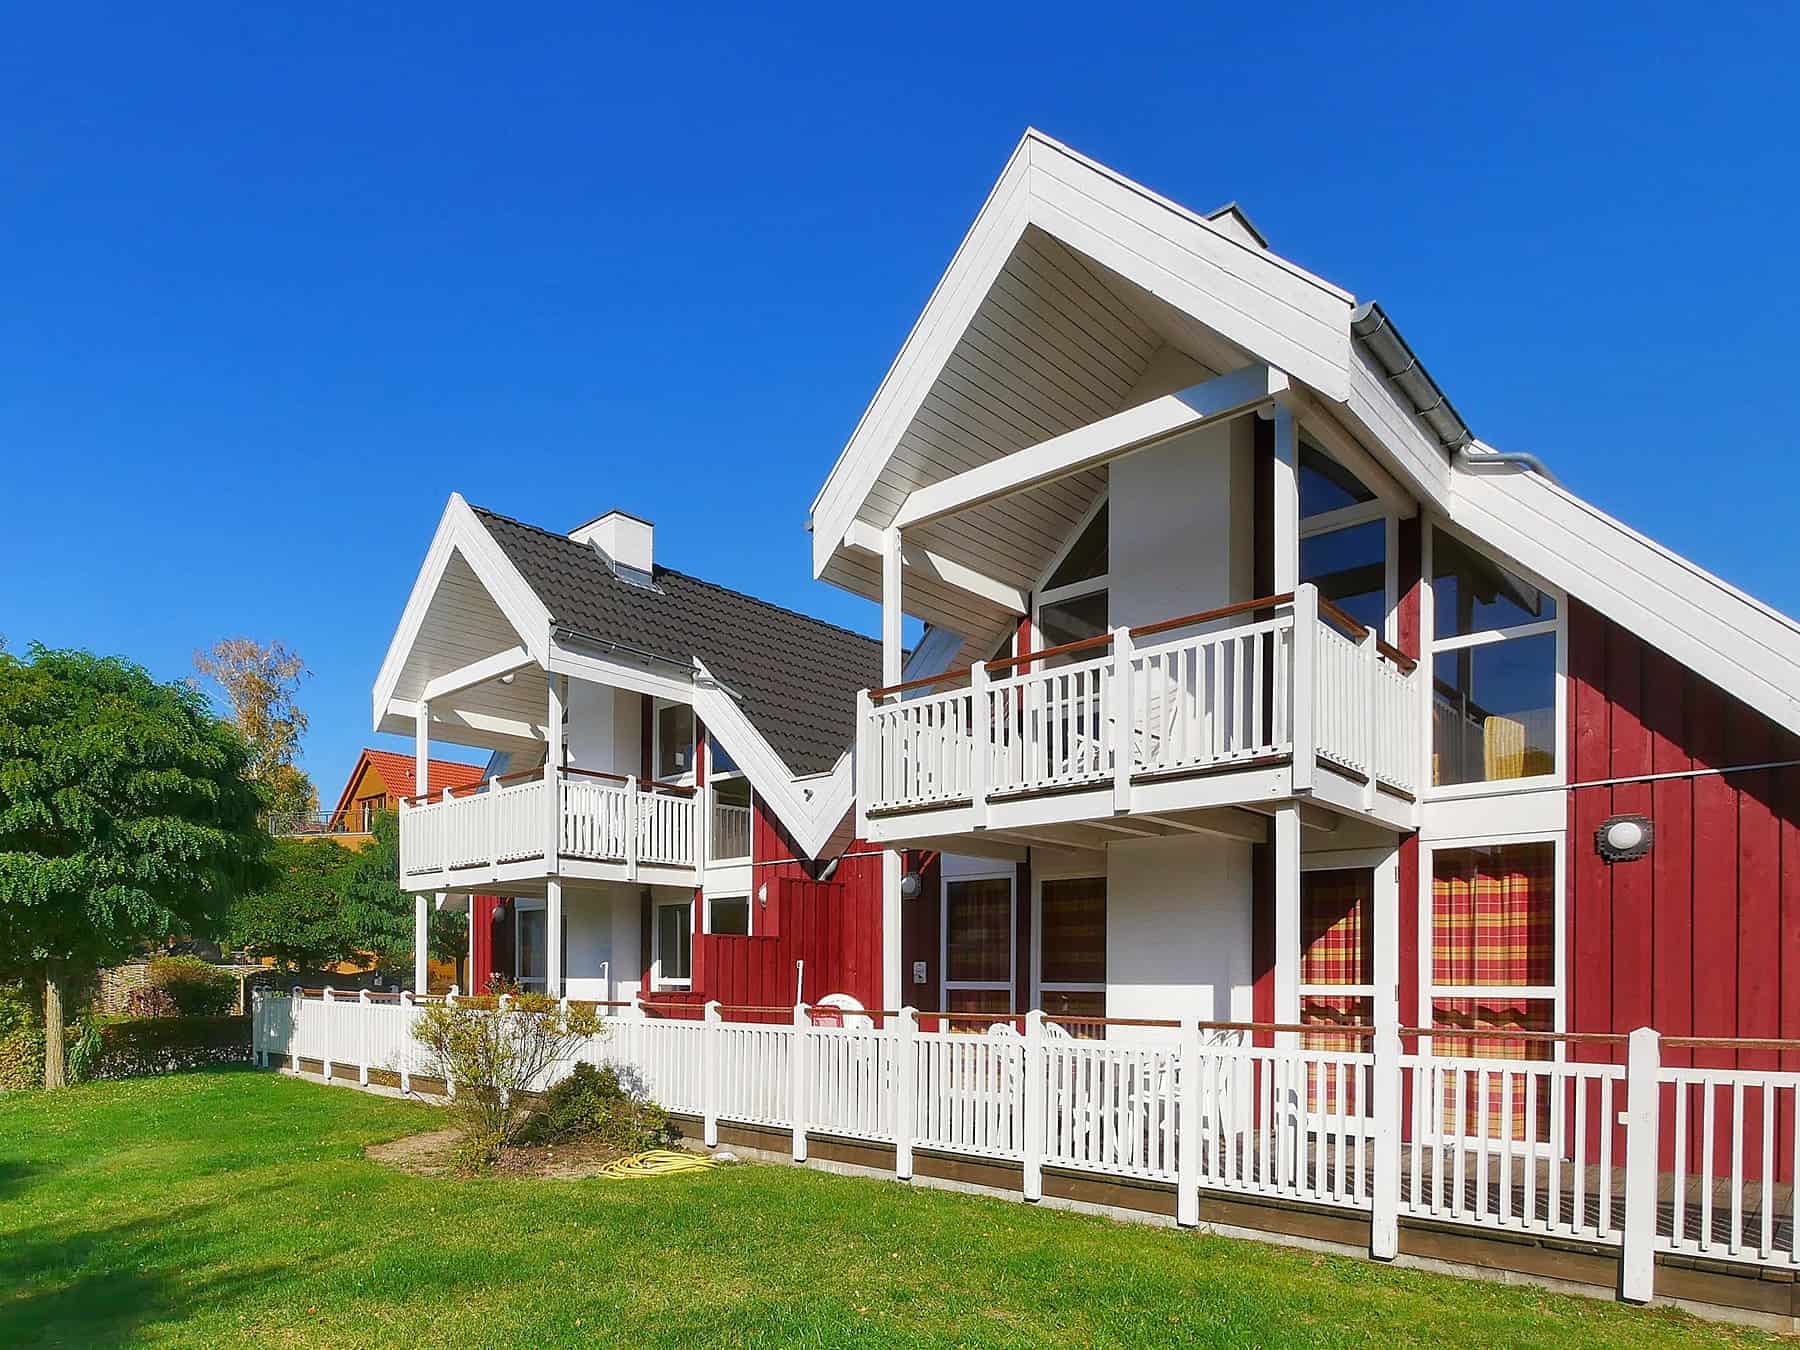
(658, 1162)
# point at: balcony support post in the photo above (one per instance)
(891, 607)
(1124, 746)
(1287, 919)
(421, 943)
(631, 828)
(1304, 680)
(553, 937)
(981, 742)
(558, 691)
(1371, 702)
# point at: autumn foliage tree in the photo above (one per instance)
(260, 682)
(126, 815)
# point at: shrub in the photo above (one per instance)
(22, 1058)
(474, 1154)
(496, 1056)
(150, 1001)
(593, 1103)
(138, 1046)
(198, 988)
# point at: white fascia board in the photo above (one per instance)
(477, 672)
(461, 531)
(866, 538)
(622, 674)
(1409, 449)
(811, 807)
(1095, 444)
(1740, 644)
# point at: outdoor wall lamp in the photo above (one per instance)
(1624, 838)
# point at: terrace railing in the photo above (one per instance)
(1293, 678)
(1599, 1141)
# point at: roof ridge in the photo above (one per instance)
(697, 580)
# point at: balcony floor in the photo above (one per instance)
(527, 876)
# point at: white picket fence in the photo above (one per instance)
(1633, 1155)
(1194, 702)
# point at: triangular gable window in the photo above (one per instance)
(1326, 485)
(1086, 558)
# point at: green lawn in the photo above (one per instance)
(236, 1206)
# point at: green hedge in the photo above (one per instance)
(22, 1059)
(137, 1046)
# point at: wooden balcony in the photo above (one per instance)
(1275, 698)
(521, 828)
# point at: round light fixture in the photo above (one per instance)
(911, 887)
(1624, 838)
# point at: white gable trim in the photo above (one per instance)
(1742, 645)
(461, 531)
(810, 807)
(1265, 305)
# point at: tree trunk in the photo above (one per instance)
(56, 1071)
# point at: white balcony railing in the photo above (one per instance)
(1205, 698)
(597, 818)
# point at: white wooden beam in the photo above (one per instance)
(1230, 823)
(892, 607)
(487, 724)
(477, 672)
(866, 537)
(1095, 444)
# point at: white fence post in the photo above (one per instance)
(709, 1072)
(865, 758)
(1189, 1131)
(1371, 718)
(1123, 724)
(906, 1086)
(362, 1037)
(553, 818)
(1303, 679)
(1036, 1101)
(631, 827)
(798, 1079)
(295, 1008)
(325, 1040)
(981, 741)
(1384, 1186)
(406, 1038)
(257, 1035)
(449, 1082)
(1637, 1259)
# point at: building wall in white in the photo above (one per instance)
(603, 944)
(603, 731)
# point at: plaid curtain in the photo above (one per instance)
(1336, 948)
(1488, 1014)
(1493, 915)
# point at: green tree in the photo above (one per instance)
(298, 918)
(126, 815)
(260, 683)
(380, 914)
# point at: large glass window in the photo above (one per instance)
(1072, 602)
(1337, 953)
(674, 741)
(1326, 485)
(731, 817)
(530, 963)
(1071, 620)
(728, 915)
(1493, 666)
(1086, 559)
(1072, 949)
(978, 945)
(1349, 566)
(675, 942)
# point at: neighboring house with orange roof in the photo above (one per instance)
(381, 778)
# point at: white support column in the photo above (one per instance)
(631, 827)
(1637, 1260)
(1188, 1142)
(891, 607)
(1385, 1097)
(421, 944)
(1388, 900)
(1371, 702)
(892, 916)
(1304, 677)
(421, 748)
(710, 1069)
(1123, 747)
(798, 1077)
(1036, 1104)
(1287, 919)
(865, 760)
(553, 937)
(906, 1086)
(1284, 502)
(981, 735)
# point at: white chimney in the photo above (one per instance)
(628, 543)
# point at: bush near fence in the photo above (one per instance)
(137, 1046)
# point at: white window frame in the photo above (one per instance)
(713, 778)
(659, 980)
(686, 777)
(1371, 861)
(1556, 995)
(531, 984)
(1073, 590)
(945, 984)
(1364, 513)
(1039, 985)
(749, 912)
(1431, 646)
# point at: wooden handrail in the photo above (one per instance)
(644, 784)
(1346, 622)
(1505, 1034)
(1209, 615)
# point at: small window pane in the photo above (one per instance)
(1470, 594)
(1326, 485)
(997, 1001)
(730, 916)
(978, 931)
(674, 740)
(1073, 946)
(731, 791)
(721, 761)
(1087, 559)
(674, 940)
(1071, 621)
(1062, 1003)
(532, 964)
(1335, 943)
(1493, 915)
(1493, 711)
(1349, 567)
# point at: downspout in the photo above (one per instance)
(1468, 457)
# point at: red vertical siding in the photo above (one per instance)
(481, 942)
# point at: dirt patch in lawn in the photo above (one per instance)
(428, 1155)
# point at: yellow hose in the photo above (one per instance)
(658, 1162)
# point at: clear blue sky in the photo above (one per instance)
(273, 284)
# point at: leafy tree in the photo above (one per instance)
(260, 683)
(380, 914)
(298, 918)
(126, 815)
